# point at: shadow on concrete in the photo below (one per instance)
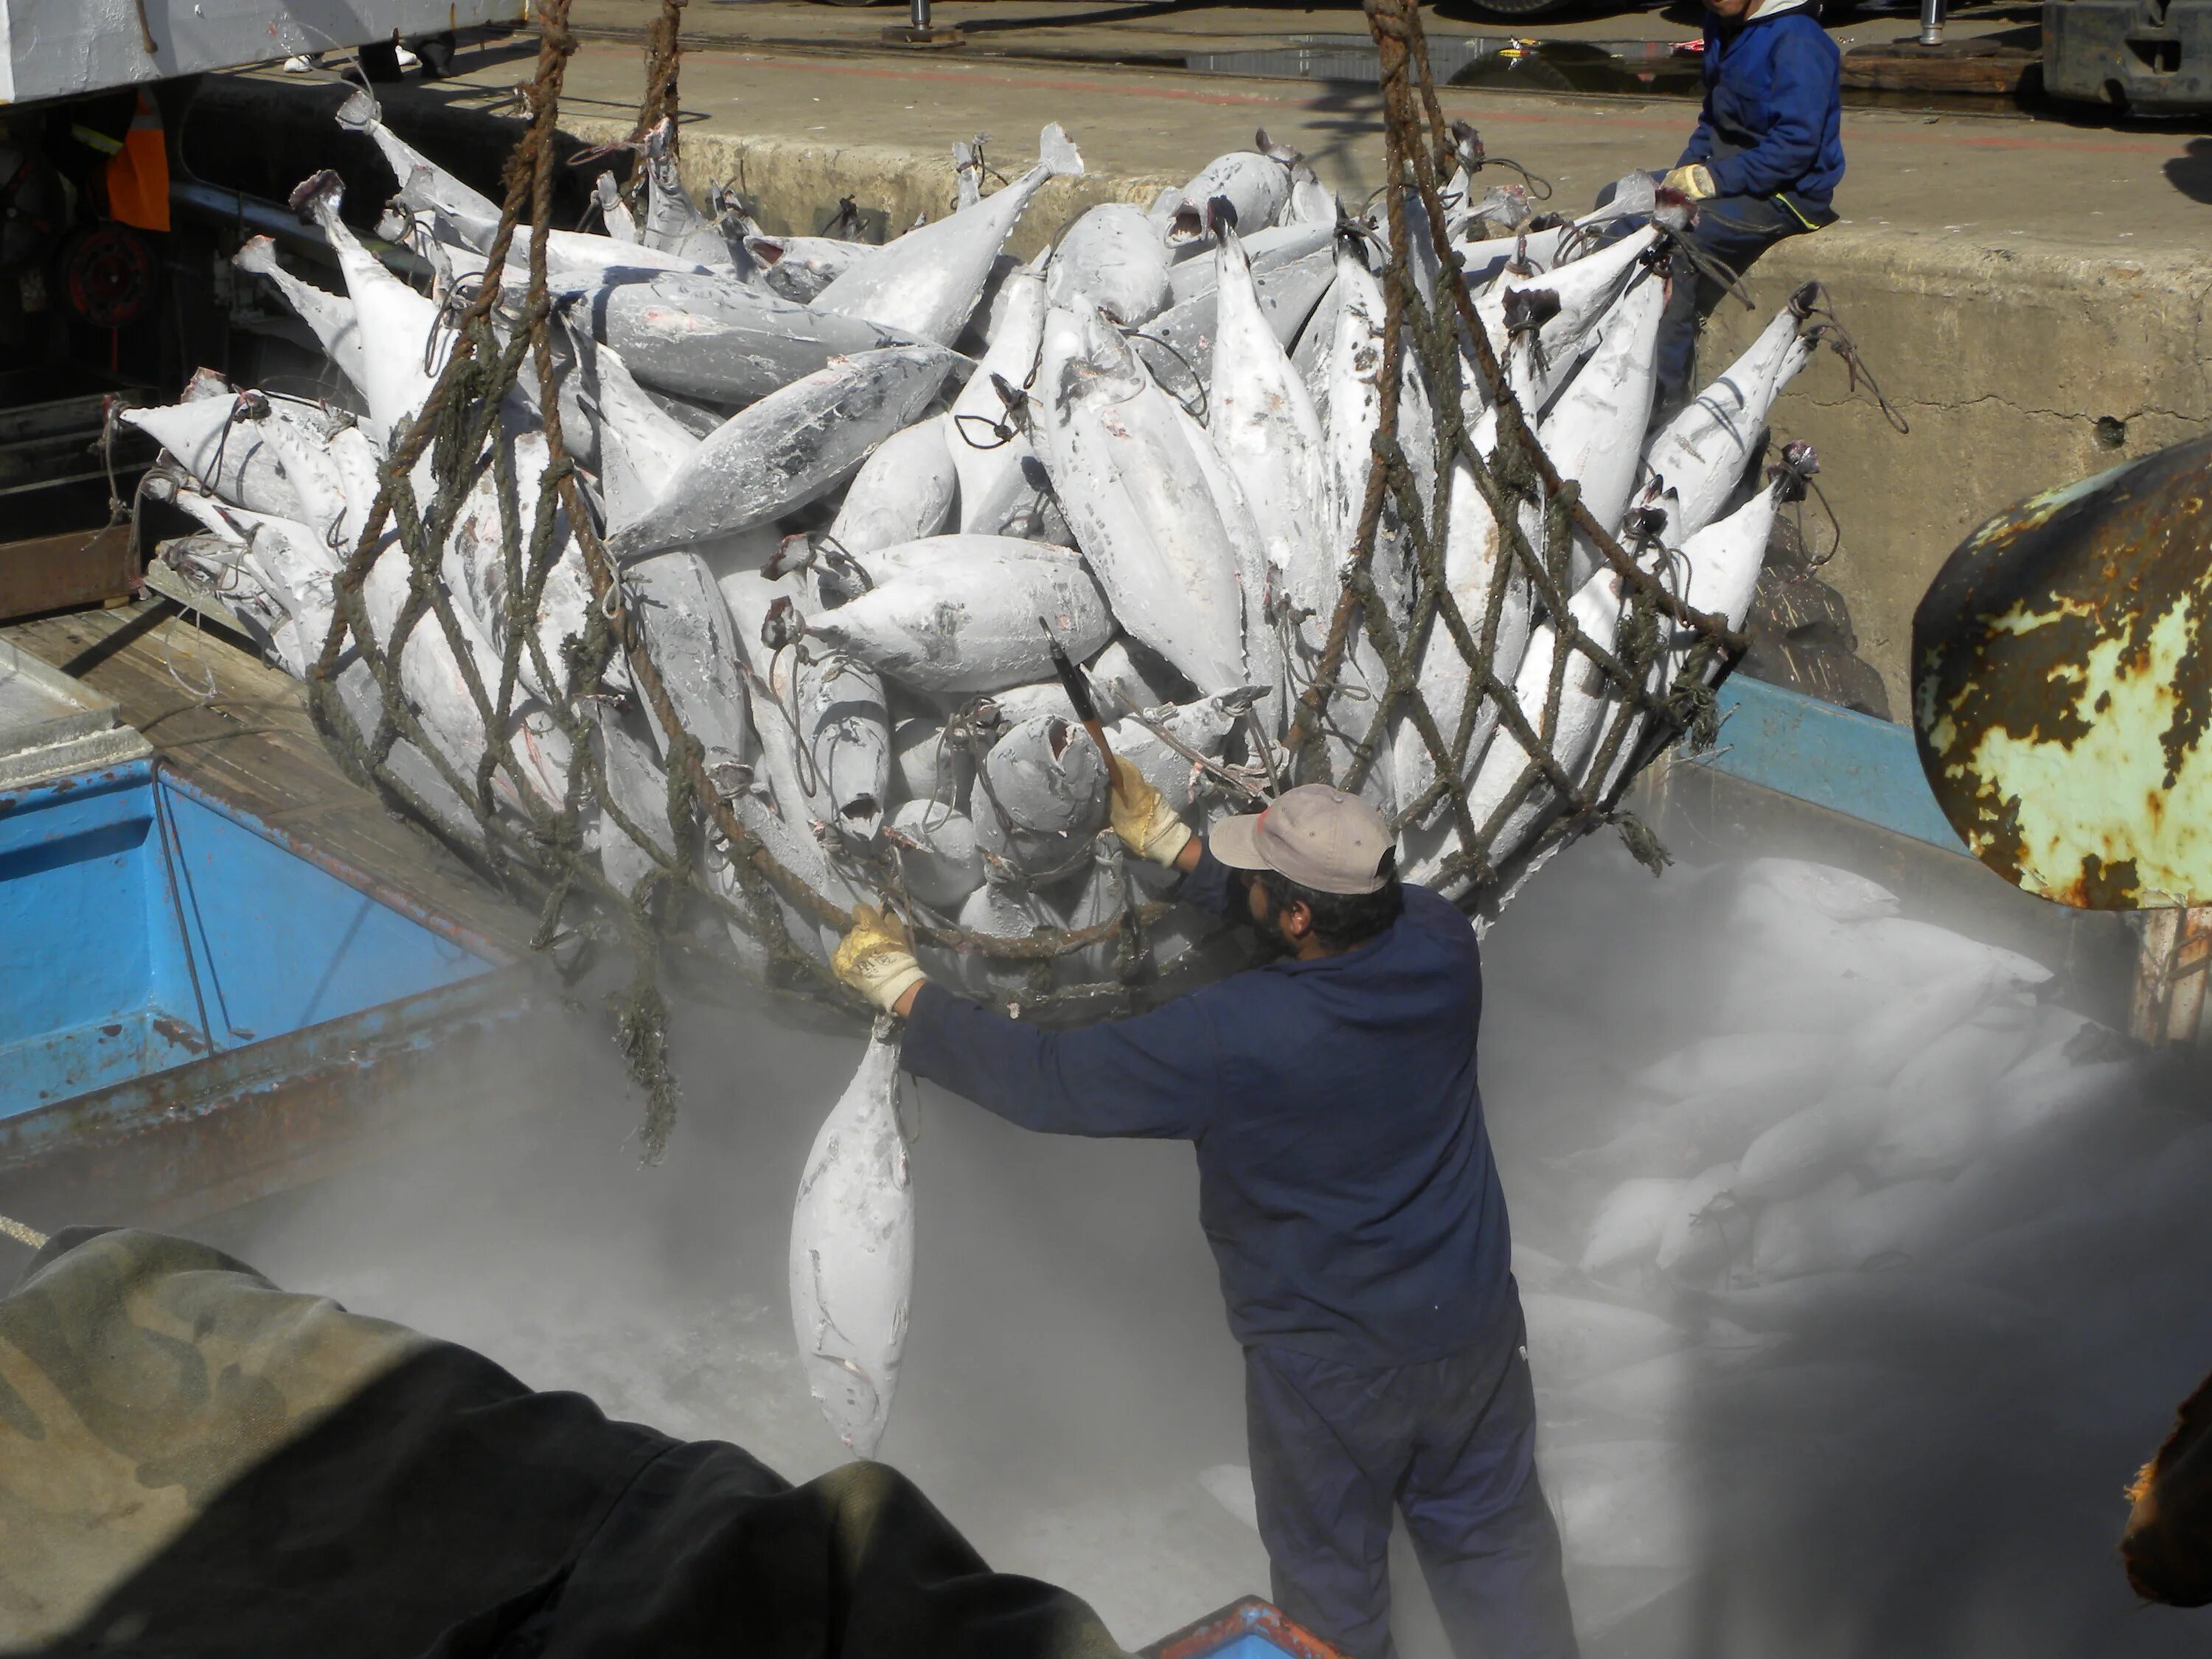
(2191, 172)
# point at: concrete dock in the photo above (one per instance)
(2030, 292)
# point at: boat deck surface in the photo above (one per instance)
(220, 718)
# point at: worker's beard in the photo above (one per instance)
(1269, 926)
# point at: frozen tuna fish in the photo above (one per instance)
(851, 1252)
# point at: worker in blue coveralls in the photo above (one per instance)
(1764, 163)
(1347, 1187)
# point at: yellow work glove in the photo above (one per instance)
(1147, 825)
(877, 959)
(1694, 181)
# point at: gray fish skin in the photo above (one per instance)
(927, 283)
(1098, 895)
(1257, 186)
(640, 445)
(1204, 726)
(790, 448)
(728, 343)
(1280, 245)
(997, 910)
(851, 1252)
(1140, 499)
(639, 786)
(904, 491)
(673, 223)
(926, 765)
(800, 267)
(993, 489)
(847, 733)
(1049, 780)
(962, 613)
(937, 852)
(460, 203)
(239, 459)
(1112, 258)
(1127, 676)
(674, 599)
(330, 317)
(1288, 295)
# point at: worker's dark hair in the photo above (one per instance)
(1340, 921)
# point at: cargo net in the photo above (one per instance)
(596, 627)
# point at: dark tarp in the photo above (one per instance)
(194, 1461)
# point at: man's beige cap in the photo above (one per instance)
(1318, 837)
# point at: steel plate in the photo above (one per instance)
(2061, 689)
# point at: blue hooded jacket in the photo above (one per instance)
(1773, 116)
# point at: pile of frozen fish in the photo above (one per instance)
(856, 494)
(1884, 1167)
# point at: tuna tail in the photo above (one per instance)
(360, 111)
(1810, 300)
(1273, 151)
(1057, 155)
(258, 256)
(1221, 217)
(324, 193)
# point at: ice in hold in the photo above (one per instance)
(1230, 1484)
(851, 1252)
(1630, 1222)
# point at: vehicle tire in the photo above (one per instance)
(436, 51)
(379, 61)
(1517, 10)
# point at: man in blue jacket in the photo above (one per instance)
(1347, 1190)
(1764, 163)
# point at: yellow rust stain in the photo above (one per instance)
(2104, 795)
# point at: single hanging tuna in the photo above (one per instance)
(851, 1252)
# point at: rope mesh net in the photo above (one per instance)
(714, 886)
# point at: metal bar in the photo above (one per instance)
(917, 13)
(172, 858)
(1932, 22)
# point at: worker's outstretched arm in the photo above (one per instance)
(1150, 1076)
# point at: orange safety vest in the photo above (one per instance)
(138, 173)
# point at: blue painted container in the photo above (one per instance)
(1836, 758)
(195, 1008)
(1249, 1629)
(144, 925)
